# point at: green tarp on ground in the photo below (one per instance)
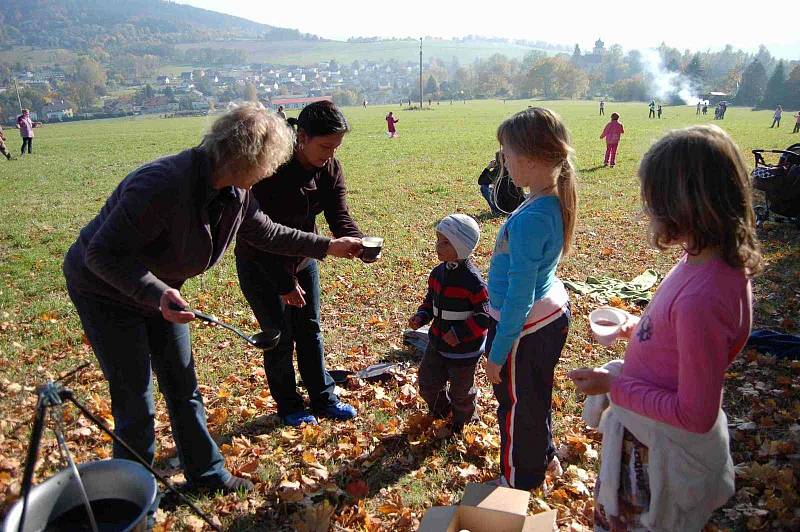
(602, 289)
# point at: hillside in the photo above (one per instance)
(310, 52)
(114, 25)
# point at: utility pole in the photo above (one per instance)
(20, 101)
(420, 73)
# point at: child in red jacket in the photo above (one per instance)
(612, 133)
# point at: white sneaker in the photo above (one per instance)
(554, 467)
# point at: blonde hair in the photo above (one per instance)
(695, 186)
(539, 133)
(248, 136)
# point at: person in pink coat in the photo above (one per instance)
(612, 133)
(390, 122)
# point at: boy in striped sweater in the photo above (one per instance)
(457, 307)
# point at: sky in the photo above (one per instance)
(633, 24)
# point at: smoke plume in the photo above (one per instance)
(667, 85)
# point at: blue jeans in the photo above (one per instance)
(486, 192)
(128, 344)
(300, 330)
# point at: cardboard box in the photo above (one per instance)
(486, 508)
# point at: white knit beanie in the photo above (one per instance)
(462, 231)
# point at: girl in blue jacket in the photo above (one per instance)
(528, 303)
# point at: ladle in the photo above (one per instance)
(265, 340)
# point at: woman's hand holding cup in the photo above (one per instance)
(346, 247)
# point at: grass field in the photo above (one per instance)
(390, 459)
(312, 52)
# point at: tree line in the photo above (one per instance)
(758, 80)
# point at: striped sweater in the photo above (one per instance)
(457, 300)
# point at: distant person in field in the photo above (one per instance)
(487, 179)
(776, 118)
(497, 188)
(652, 106)
(457, 307)
(705, 107)
(390, 122)
(365, 104)
(3, 149)
(612, 133)
(659, 110)
(723, 107)
(796, 123)
(602, 108)
(718, 112)
(699, 106)
(280, 112)
(26, 125)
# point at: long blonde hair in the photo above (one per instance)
(695, 186)
(539, 133)
(247, 136)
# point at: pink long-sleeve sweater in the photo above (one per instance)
(697, 322)
(613, 132)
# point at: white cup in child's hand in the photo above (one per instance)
(605, 323)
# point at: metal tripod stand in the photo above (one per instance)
(51, 396)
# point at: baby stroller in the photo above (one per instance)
(780, 184)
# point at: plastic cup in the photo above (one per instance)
(605, 323)
(371, 246)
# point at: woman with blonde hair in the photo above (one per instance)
(168, 221)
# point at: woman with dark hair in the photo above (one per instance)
(284, 291)
(168, 221)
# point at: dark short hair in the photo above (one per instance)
(614, 116)
(320, 118)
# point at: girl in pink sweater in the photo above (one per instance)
(612, 133)
(696, 192)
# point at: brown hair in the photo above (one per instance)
(247, 136)
(695, 186)
(540, 134)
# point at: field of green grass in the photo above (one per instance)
(38, 57)
(312, 52)
(398, 188)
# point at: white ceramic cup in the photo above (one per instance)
(605, 323)
(373, 247)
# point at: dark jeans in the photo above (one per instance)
(300, 329)
(486, 192)
(26, 141)
(524, 398)
(128, 344)
(652, 114)
(602, 112)
(796, 127)
(774, 122)
(435, 371)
